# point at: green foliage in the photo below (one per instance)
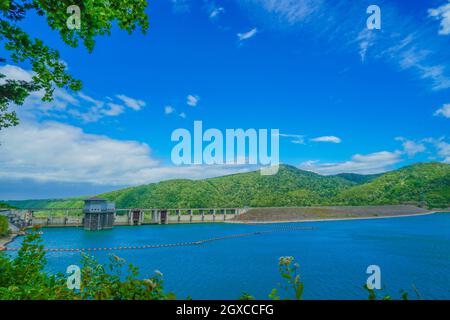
(288, 271)
(111, 282)
(383, 295)
(358, 178)
(4, 205)
(421, 184)
(24, 279)
(48, 203)
(3, 226)
(289, 187)
(97, 19)
(246, 296)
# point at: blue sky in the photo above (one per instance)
(345, 98)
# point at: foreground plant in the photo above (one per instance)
(23, 278)
(288, 271)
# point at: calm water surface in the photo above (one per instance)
(333, 257)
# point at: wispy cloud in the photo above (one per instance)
(132, 103)
(442, 147)
(410, 55)
(443, 111)
(384, 160)
(442, 13)
(412, 46)
(301, 139)
(332, 139)
(168, 109)
(364, 164)
(410, 147)
(78, 105)
(247, 35)
(365, 39)
(295, 138)
(214, 11)
(171, 110)
(192, 100)
(285, 11)
(444, 150)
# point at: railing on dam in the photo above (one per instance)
(126, 216)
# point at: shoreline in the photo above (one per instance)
(334, 219)
(7, 240)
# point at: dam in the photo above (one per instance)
(76, 217)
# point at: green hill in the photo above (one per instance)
(358, 178)
(425, 184)
(289, 187)
(4, 205)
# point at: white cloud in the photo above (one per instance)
(57, 152)
(442, 147)
(114, 109)
(78, 105)
(365, 39)
(215, 11)
(300, 139)
(444, 111)
(423, 55)
(168, 109)
(411, 54)
(288, 11)
(192, 100)
(182, 115)
(411, 148)
(247, 35)
(444, 150)
(295, 138)
(15, 73)
(87, 98)
(442, 13)
(364, 164)
(331, 139)
(134, 104)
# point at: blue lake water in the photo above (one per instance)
(333, 256)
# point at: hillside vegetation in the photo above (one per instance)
(4, 205)
(4, 226)
(426, 184)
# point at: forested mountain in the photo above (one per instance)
(427, 184)
(358, 178)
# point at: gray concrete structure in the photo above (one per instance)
(98, 214)
(97, 209)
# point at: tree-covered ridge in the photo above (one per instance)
(426, 184)
(290, 186)
(358, 178)
(4, 226)
(423, 183)
(4, 205)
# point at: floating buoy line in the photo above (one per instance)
(179, 244)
